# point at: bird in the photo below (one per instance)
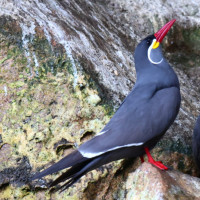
(196, 142)
(139, 123)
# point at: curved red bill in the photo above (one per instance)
(164, 30)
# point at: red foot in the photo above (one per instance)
(152, 161)
(142, 159)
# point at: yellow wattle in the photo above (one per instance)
(155, 45)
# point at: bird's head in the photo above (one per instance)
(148, 51)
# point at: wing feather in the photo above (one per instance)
(137, 121)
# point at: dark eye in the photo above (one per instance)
(148, 41)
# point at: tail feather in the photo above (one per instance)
(80, 166)
(69, 183)
(68, 161)
(69, 173)
(75, 173)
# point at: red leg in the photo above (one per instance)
(142, 159)
(152, 161)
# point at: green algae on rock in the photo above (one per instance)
(41, 107)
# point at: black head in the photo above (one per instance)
(148, 53)
(151, 66)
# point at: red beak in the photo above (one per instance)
(164, 30)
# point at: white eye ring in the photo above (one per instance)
(149, 51)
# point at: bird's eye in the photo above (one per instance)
(148, 42)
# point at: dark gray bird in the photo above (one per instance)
(140, 122)
(196, 142)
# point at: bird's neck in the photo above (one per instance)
(157, 76)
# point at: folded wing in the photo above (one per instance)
(136, 122)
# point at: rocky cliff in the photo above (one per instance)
(65, 66)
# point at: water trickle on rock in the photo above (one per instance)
(28, 33)
(36, 64)
(5, 90)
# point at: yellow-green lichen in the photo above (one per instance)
(42, 107)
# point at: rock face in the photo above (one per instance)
(148, 182)
(64, 68)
